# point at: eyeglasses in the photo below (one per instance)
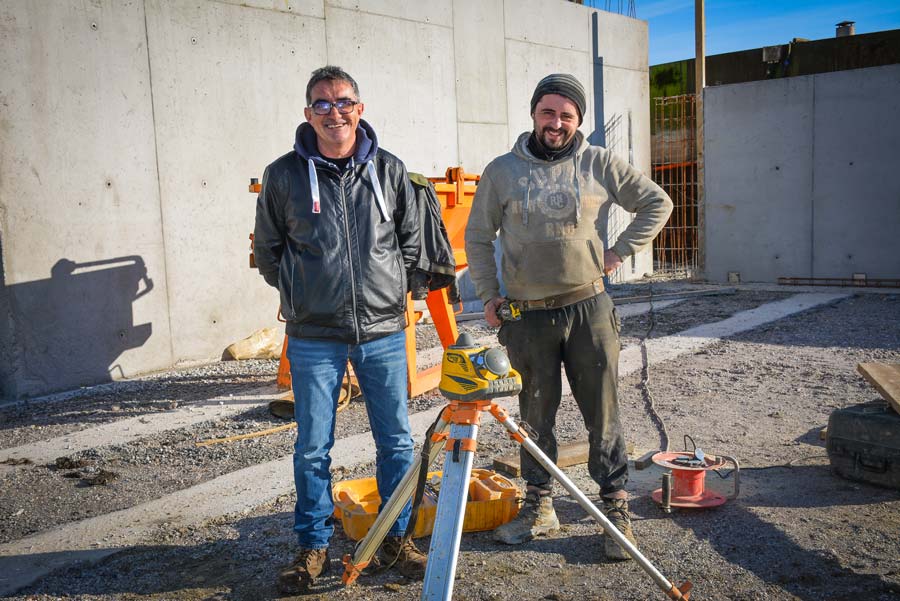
(343, 106)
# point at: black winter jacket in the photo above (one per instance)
(340, 261)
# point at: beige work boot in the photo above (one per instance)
(308, 565)
(616, 511)
(535, 518)
(406, 556)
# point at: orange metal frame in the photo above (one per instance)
(455, 192)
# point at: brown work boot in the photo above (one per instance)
(309, 565)
(535, 518)
(409, 560)
(616, 511)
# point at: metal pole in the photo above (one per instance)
(699, 84)
(670, 589)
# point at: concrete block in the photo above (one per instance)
(85, 280)
(758, 182)
(436, 12)
(622, 42)
(856, 189)
(480, 58)
(309, 8)
(526, 65)
(404, 70)
(481, 143)
(557, 24)
(229, 88)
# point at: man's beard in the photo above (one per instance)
(559, 143)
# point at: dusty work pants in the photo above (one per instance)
(584, 338)
(317, 370)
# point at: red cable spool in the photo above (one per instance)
(689, 479)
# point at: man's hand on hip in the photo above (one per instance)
(611, 261)
(490, 311)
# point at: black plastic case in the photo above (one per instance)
(863, 443)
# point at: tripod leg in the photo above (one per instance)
(367, 547)
(448, 524)
(522, 438)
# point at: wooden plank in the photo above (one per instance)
(885, 377)
(573, 453)
(645, 460)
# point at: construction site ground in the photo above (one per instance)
(106, 495)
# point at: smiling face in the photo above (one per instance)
(555, 120)
(336, 133)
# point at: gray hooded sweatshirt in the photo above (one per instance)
(549, 215)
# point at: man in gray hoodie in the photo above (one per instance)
(548, 199)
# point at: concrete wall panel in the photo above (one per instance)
(85, 273)
(437, 12)
(481, 143)
(626, 131)
(758, 179)
(309, 8)
(800, 177)
(480, 58)
(622, 42)
(229, 87)
(856, 189)
(548, 23)
(404, 70)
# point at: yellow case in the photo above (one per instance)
(493, 500)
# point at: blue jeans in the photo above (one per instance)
(317, 368)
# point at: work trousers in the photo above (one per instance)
(584, 338)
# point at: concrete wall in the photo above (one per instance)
(129, 131)
(801, 176)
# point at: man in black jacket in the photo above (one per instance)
(337, 232)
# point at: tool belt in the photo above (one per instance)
(562, 300)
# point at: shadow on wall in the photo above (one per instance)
(68, 330)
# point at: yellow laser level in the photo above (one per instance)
(470, 372)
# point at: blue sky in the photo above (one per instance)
(743, 24)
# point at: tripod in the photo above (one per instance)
(485, 374)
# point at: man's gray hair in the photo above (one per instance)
(330, 73)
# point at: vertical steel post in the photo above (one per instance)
(699, 84)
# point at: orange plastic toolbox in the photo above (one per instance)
(493, 500)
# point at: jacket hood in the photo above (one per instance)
(306, 147)
(367, 146)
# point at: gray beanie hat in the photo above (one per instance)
(564, 85)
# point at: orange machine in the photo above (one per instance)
(455, 191)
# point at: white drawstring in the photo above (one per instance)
(314, 187)
(527, 197)
(577, 191)
(379, 196)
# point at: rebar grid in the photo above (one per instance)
(674, 166)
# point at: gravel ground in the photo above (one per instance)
(795, 532)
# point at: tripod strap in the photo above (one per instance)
(419, 493)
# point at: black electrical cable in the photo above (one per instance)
(649, 407)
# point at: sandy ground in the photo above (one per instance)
(795, 532)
